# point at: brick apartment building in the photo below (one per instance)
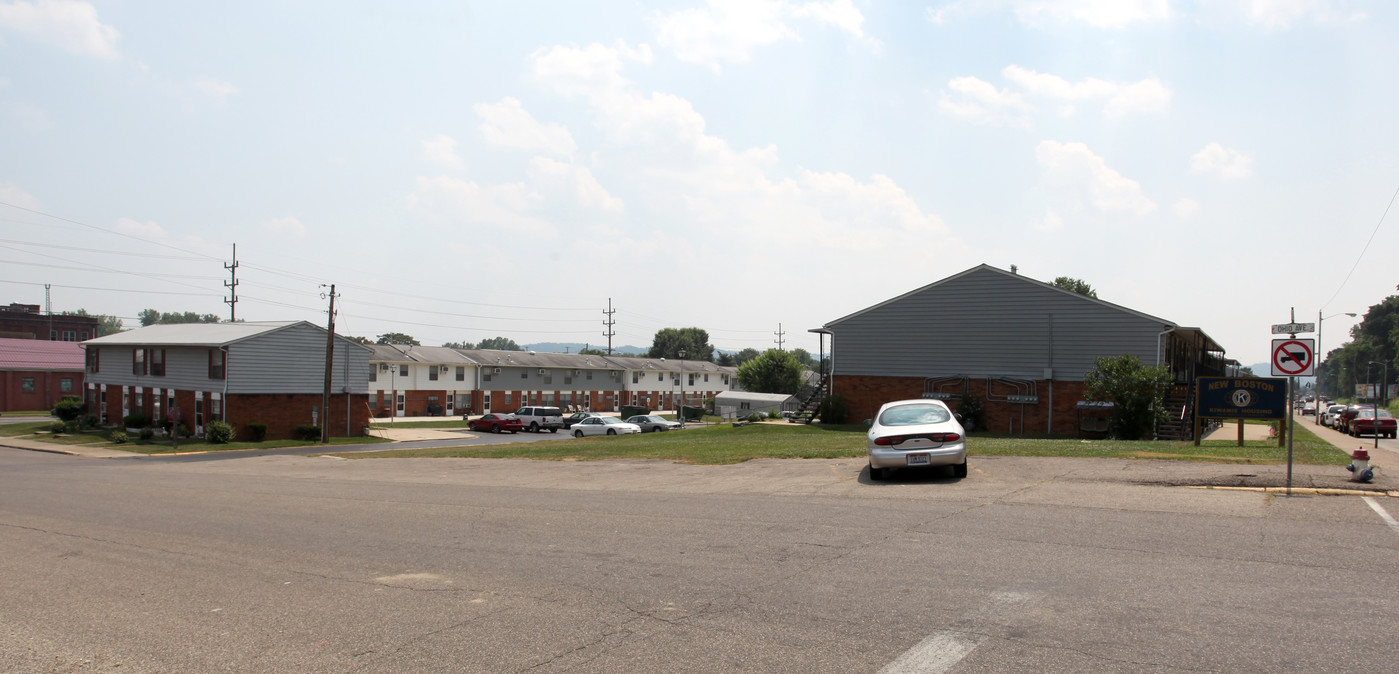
(26, 321)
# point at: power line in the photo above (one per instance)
(1362, 250)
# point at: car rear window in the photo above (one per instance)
(912, 415)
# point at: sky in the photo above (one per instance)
(465, 170)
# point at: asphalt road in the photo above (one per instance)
(286, 563)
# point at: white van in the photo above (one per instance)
(536, 419)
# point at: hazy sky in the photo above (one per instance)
(464, 170)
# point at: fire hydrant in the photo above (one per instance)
(1360, 466)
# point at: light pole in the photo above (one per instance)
(681, 353)
(1319, 354)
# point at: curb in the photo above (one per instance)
(1310, 491)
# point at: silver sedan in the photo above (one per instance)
(651, 423)
(916, 434)
(604, 426)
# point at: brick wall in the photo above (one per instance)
(47, 389)
(863, 396)
(284, 412)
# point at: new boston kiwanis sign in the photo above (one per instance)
(1241, 398)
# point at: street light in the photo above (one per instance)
(681, 353)
(1319, 354)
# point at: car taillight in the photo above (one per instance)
(888, 440)
(946, 437)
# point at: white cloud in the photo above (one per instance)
(1051, 221)
(502, 208)
(1223, 163)
(1096, 13)
(980, 102)
(12, 194)
(1284, 13)
(215, 89)
(1144, 96)
(1186, 208)
(590, 71)
(727, 31)
(72, 25)
(287, 226)
(441, 150)
(1075, 166)
(573, 182)
(145, 230)
(508, 124)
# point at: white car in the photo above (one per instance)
(604, 426)
(916, 434)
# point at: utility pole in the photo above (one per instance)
(779, 334)
(232, 285)
(608, 323)
(48, 309)
(329, 362)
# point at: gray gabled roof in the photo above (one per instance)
(437, 355)
(1018, 277)
(209, 335)
(748, 396)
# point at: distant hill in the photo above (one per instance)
(575, 347)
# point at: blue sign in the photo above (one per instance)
(1241, 398)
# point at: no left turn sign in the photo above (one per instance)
(1294, 357)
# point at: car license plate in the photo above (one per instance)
(918, 459)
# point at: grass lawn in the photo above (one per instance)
(726, 444)
(39, 431)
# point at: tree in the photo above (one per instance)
(745, 355)
(726, 359)
(588, 351)
(152, 317)
(669, 341)
(397, 338)
(106, 325)
(1136, 391)
(458, 345)
(773, 372)
(358, 340)
(804, 357)
(499, 344)
(1075, 285)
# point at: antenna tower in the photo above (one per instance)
(608, 323)
(779, 334)
(232, 285)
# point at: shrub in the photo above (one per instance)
(72, 426)
(91, 421)
(755, 417)
(218, 433)
(308, 432)
(774, 414)
(146, 433)
(258, 430)
(182, 431)
(833, 410)
(57, 427)
(68, 408)
(973, 414)
(136, 420)
(117, 437)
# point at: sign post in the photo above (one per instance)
(1294, 358)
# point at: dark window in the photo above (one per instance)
(403, 370)
(218, 362)
(65, 384)
(432, 373)
(26, 384)
(485, 377)
(373, 372)
(157, 362)
(138, 361)
(93, 359)
(590, 375)
(634, 377)
(461, 373)
(70, 336)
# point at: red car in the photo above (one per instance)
(495, 423)
(1366, 423)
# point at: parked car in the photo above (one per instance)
(536, 419)
(916, 434)
(1308, 408)
(651, 423)
(495, 423)
(1367, 422)
(576, 417)
(604, 426)
(1332, 413)
(1343, 419)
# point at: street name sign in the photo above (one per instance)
(1293, 328)
(1294, 357)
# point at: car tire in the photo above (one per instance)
(960, 470)
(876, 473)
(611, 432)
(470, 425)
(578, 434)
(656, 429)
(533, 427)
(495, 429)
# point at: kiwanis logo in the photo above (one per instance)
(1242, 398)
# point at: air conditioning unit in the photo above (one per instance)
(497, 370)
(383, 367)
(613, 373)
(577, 372)
(445, 368)
(541, 371)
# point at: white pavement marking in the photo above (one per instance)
(942, 651)
(1375, 506)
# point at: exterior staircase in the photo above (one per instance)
(811, 402)
(1179, 403)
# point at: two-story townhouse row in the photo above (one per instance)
(660, 383)
(241, 373)
(416, 381)
(509, 380)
